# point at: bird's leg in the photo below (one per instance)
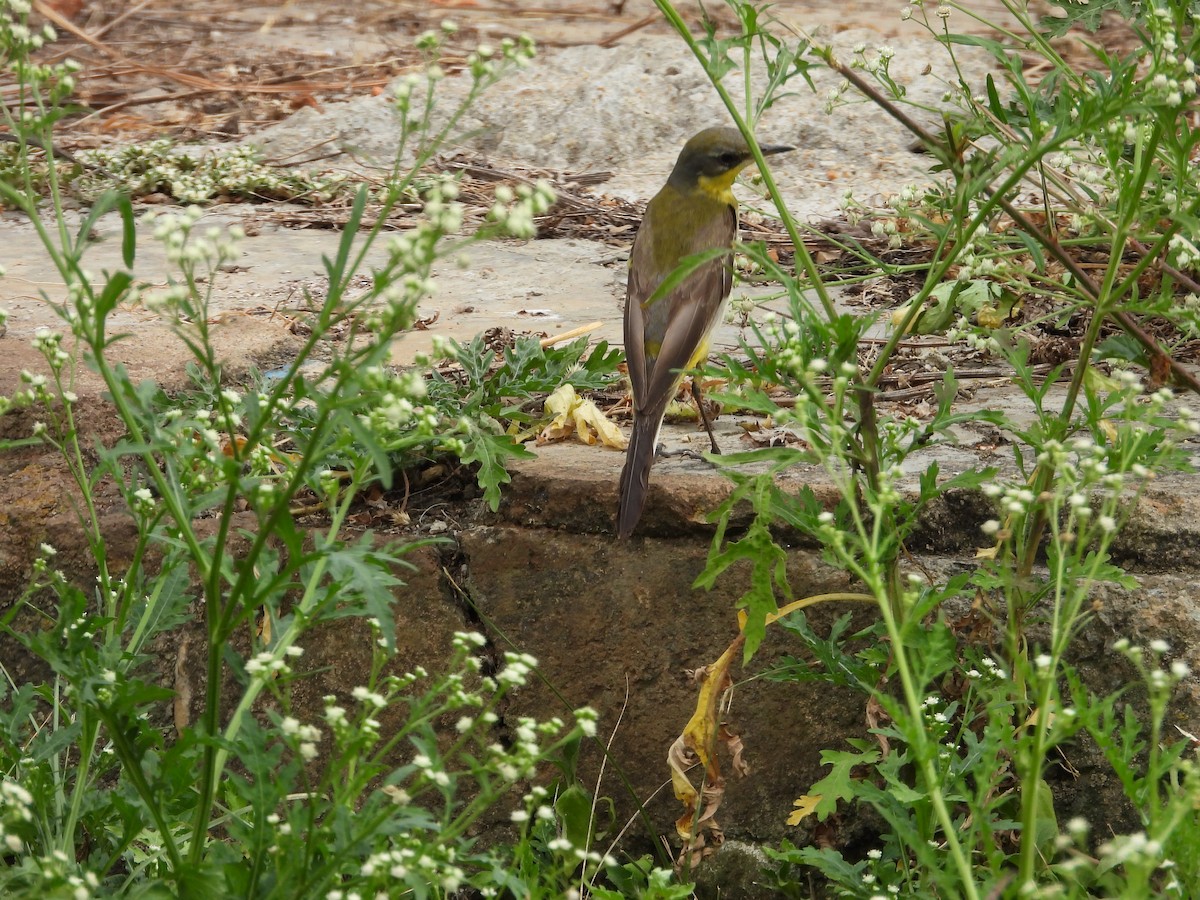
(704, 417)
(661, 452)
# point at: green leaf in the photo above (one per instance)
(114, 289)
(1034, 248)
(367, 441)
(994, 98)
(336, 268)
(83, 235)
(128, 231)
(1045, 821)
(826, 860)
(971, 40)
(686, 267)
(491, 451)
(365, 584)
(768, 564)
(839, 784)
(1121, 346)
(574, 808)
(200, 882)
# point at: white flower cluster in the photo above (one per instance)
(1183, 253)
(197, 253)
(405, 279)
(885, 870)
(989, 670)
(1186, 315)
(888, 228)
(398, 412)
(1129, 848)
(304, 737)
(17, 36)
(59, 873)
(1173, 80)
(183, 244)
(483, 61)
(515, 211)
(833, 98)
(537, 810)
(852, 207)
(413, 94)
(1089, 477)
(16, 809)
(37, 386)
(18, 41)
(520, 760)
(517, 669)
(410, 861)
(876, 63)
(468, 641)
(270, 663)
(1157, 677)
(788, 348)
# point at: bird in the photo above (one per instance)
(694, 212)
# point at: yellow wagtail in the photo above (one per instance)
(667, 335)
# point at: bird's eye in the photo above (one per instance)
(730, 158)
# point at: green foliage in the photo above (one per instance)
(831, 660)
(967, 711)
(641, 879)
(113, 785)
(488, 399)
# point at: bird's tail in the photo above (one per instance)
(635, 477)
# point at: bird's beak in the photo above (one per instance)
(772, 149)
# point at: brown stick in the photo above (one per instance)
(1123, 319)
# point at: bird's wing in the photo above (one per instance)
(665, 335)
(635, 321)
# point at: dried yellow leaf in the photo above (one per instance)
(697, 745)
(805, 806)
(580, 417)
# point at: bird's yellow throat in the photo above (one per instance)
(720, 187)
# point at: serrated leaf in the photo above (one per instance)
(491, 451)
(364, 574)
(839, 783)
(1121, 346)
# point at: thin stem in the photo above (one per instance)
(789, 223)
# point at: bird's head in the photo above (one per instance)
(712, 159)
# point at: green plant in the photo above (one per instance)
(491, 400)
(959, 766)
(103, 790)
